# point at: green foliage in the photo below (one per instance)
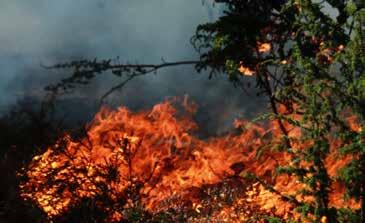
(316, 81)
(348, 216)
(273, 220)
(314, 70)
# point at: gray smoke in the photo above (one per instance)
(43, 31)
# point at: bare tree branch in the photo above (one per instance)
(154, 68)
(86, 70)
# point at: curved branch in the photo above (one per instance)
(85, 70)
(116, 87)
(154, 69)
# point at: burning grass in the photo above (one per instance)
(149, 166)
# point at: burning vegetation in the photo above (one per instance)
(150, 166)
(303, 162)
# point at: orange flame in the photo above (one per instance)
(153, 157)
(264, 47)
(245, 70)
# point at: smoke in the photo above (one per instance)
(49, 32)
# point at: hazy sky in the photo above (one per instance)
(44, 31)
(53, 31)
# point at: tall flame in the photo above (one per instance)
(153, 158)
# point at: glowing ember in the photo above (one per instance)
(152, 159)
(264, 47)
(245, 70)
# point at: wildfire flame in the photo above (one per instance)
(153, 158)
(246, 70)
(264, 47)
